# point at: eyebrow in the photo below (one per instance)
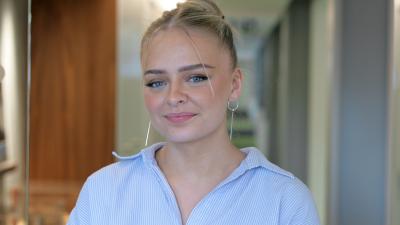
(182, 69)
(195, 66)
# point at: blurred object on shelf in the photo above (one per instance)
(50, 202)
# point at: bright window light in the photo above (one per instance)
(169, 4)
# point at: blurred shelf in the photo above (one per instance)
(7, 166)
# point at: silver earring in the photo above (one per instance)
(232, 106)
(147, 134)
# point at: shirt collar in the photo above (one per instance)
(254, 159)
(147, 153)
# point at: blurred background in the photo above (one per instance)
(321, 99)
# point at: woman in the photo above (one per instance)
(197, 176)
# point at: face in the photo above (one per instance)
(188, 81)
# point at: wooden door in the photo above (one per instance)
(72, 107)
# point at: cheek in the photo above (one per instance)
(152, 102)
(214, 103)
(222, 89)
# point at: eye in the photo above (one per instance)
(198, 78)
(155, 84)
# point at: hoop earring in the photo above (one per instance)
(147, 134)
(232, 106)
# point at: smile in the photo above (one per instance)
(179, 117)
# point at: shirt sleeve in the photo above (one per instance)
(298, 207)
(80, 215)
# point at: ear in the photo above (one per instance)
(237, 79)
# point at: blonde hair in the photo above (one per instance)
(203, 14)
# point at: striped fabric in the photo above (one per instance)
(134, 191)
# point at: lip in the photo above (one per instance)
(179, 117)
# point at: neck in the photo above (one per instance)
(201, 158)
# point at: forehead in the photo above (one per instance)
(183, 45)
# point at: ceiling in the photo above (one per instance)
(265, 12)
(251, 7)
(262, 15)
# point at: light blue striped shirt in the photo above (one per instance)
(134, 191)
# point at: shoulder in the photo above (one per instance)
(265, 170)
(104, 189)
(116, 170)
(126, 168)
(288, 185)
(100, 191)
(291, 194)
(297, 204)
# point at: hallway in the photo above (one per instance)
(321, 99)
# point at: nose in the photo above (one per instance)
(176, 95)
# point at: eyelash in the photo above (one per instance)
(198, 77)
(193, 79)
(155, 84)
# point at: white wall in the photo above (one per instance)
(320, 101)
(132, 119)
(394, 123)
(13, 58)
(362, 112)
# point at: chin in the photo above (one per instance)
(189, 135)
(182, 138)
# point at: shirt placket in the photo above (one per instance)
(194, 217)
(168, 193)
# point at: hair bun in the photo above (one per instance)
(196, 14)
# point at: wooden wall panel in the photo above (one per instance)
(72, 88)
